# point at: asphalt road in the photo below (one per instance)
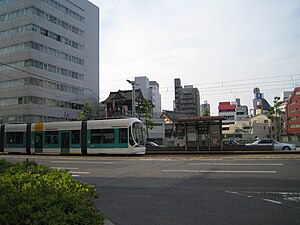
(189, 191)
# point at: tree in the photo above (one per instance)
(147, 107)
(206, 112)
(86, 114)
(275, 113)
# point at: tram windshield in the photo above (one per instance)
(136, 138)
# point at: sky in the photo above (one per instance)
(225, 48)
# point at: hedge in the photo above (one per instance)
(32, 193)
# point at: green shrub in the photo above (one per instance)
(34, 194)
(4, 165)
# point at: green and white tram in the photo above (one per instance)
(111, 136)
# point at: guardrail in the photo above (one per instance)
(217, 149)
(243, 149)
(227, 152)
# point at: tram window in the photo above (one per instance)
(102, 136)
(108, 136)
(96, 136)
(131, 141)
(14, 138)
(51, 137)
(123, 135)
(75, 137)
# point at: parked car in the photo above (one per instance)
(283, 146)
(261, 142)
(230, 142)
(276, 144)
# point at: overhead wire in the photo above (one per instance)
(223, 83)
(237, 87)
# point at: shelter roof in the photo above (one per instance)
(174, 115)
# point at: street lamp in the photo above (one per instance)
(133, 83)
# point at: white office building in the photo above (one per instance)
(49, 59)
(150, 90)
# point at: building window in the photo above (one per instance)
(52, 68)
(294, 102)
(64, 10)
(297, 125)
(42, 31)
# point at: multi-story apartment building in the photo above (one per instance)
(292, 111)
(187, 99)
(233, 111)
(236, 122)
(49, 59)
(227, 109)
(150, 90)
(156, 98)
(241, 111)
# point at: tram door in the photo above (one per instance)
(38, 143)
(65, 142)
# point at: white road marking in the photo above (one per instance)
(64, 168)
(82, 162)
(273, 201)
(232, 192)
(236, 164)
(249, 196)
(222, 171)
(290, 196)
(74, 173)
(78, 172)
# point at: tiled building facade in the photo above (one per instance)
(49, 59)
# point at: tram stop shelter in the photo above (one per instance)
(201, 133)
